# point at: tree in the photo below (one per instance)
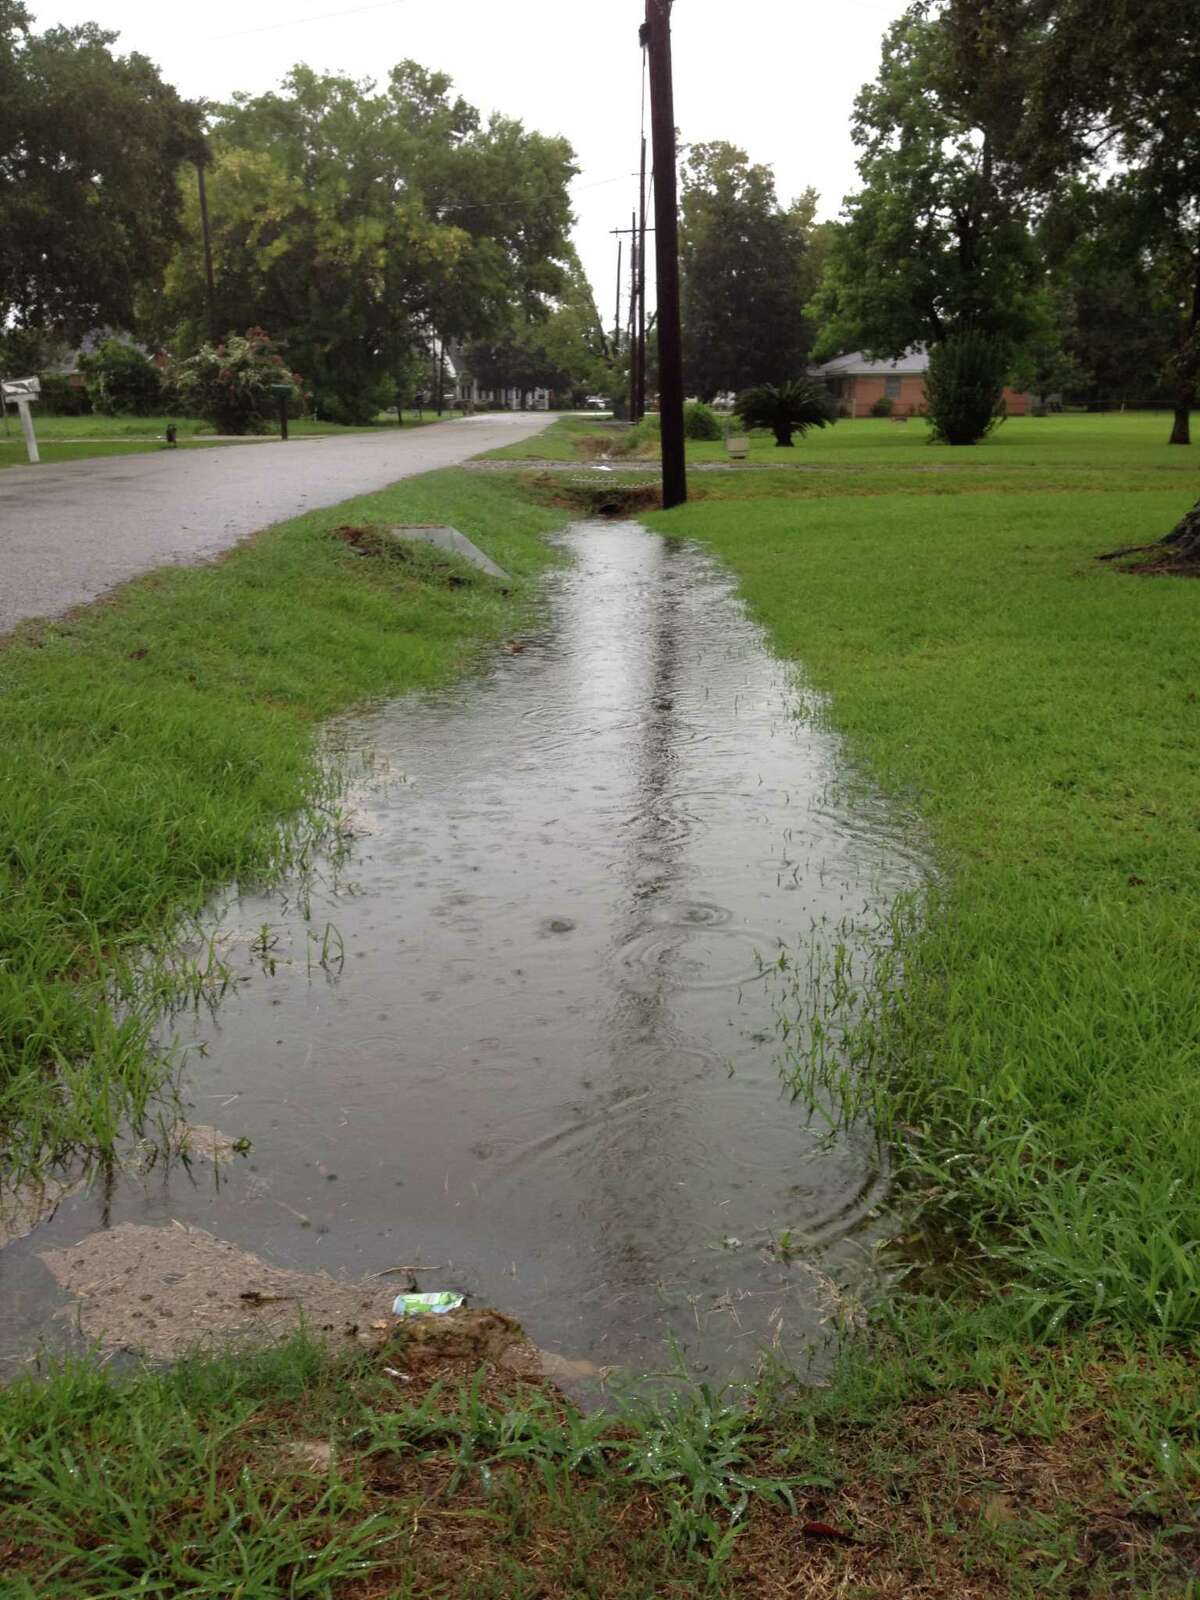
(938, 240)
(1113, 312)
(574, 340)
(90, 145)
(786, 408)
(748, 272)
(1115, 82)
(517, 361)
(361, 223)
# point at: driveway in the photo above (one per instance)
(70, 532)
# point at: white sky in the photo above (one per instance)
(777, 77)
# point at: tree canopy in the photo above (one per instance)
(748, 271)
(90, 148)
(360, 221)
(1114, 94)
(938, 240)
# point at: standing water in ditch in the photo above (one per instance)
(526, 1035)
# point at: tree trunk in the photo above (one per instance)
(1179, 549)
(1185, 396)
(783, 439)
(1184, 537)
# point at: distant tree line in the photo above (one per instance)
(1029, 208)
(360, 225)
(1031, 174)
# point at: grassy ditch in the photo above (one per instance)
(1039, 712)
(156, 742)
(1024, 1423)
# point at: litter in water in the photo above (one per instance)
(433, 1305)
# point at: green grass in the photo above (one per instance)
(1039, 713)
(154, 744)
(78, 438)
(51, 428)
(949, 1459)
(561, 441)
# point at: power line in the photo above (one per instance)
(295, 22)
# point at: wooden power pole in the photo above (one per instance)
(633, 326)
(639, 409)
(656, 36)
(617, 312)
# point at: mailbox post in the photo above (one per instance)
(284, 392)
(20, 392)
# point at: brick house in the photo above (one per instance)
(856, 383)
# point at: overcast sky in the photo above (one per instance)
(777, 77)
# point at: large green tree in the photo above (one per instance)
(574, 339)
(939, 238)
(90, 148)
(1116, 311)
(1118, 85)
(360, 222)
(748, 272)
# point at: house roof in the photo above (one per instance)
(913, 363)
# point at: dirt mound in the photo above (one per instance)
(165, 1291)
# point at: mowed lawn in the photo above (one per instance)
(1039, 712)
(73, 438)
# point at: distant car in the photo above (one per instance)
(598, 402)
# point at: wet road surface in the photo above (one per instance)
(524, 1035)
(69, 532)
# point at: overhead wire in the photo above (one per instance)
(322, 16)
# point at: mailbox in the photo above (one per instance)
(283, 393)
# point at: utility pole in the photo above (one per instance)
(208, 266)
(617, 312)
(639, 410)
(656, 37)
(633, 294)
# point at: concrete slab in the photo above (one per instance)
(450, 540)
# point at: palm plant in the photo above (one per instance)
(786, 408)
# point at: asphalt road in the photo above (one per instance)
(69, 532)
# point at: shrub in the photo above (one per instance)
(883, 407)
(230, 383)
(964, 387)
(786, 408)
(700, 421)
(62, 398)
(122, 380)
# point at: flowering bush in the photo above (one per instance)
(230, 383)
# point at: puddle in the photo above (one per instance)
(525, 1042)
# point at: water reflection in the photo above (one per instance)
(546, 1059)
